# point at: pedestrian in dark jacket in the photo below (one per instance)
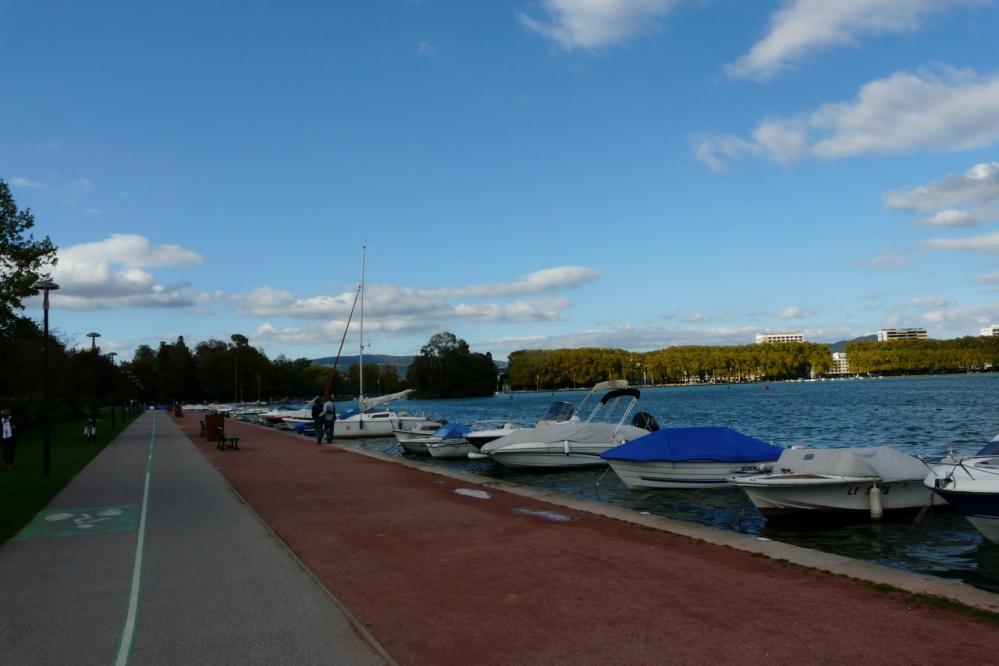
(8, 439)
(317, 419)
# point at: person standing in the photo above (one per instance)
(317, 418)
(8, 439)
(329, 418)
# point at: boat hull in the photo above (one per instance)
(372, 426)
(786, 499)
(560, 455)
(686, 474)
(980, 508)
(450, 448)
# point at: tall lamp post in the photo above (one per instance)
(93, 335)
(46, 286)
(111, 355)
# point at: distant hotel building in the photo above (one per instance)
(886, 334)
(770, 338)
(992, 330)
(840, 366)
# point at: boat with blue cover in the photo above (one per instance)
(695, 457)
(449, 441)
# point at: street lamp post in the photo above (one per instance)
(111, 355)
(46, 286)
(93, 335)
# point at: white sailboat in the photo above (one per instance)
(365, 421)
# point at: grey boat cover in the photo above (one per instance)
(594, 433)
(884, 462)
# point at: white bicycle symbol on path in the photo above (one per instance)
(85, 521)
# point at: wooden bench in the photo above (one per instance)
(227, 441)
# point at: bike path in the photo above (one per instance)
(212, 585)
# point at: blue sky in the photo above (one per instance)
(552, 173)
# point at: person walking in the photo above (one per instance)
(317, 418)
(329, 418)
(9, 442)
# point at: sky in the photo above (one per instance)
(525, 174)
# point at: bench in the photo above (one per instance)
(227, 441)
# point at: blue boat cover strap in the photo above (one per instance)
(709, 443)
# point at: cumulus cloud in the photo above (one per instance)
(967, 320)
(110, 274)
(889, 261)
(988, 278)
(412, 311)
(794, 312)
(20, 181)
(942, 110)
(803, 27)
(591, 24)
(987, 243)
(560, 277)
(978, 186)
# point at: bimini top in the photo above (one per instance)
(451, 431)
(709, 443)
(617, 393)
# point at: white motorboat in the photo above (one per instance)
(276, 417)
(971, 486)
(414, 436)
(862, 481)
(449, 442)
(702, 457)
(573, 444)
(559, 411)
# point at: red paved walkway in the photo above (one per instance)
(441, 578)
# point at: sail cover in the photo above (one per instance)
(370, 403)
(709, 443)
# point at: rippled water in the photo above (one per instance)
(919, 415)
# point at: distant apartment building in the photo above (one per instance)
(886, 334)
(840, 366)
(771, 338)
(990, 331)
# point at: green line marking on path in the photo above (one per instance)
(128, 630)
(75, 522)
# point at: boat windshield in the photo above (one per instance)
(558, 412)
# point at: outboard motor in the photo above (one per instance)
(645, 421)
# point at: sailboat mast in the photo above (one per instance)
(360, 356)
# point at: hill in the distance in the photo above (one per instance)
(841, 345)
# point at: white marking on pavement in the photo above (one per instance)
(128, 632)
(480, 494)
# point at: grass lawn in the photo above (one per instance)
(25, 491)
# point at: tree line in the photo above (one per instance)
(924, 356)
(570, 368)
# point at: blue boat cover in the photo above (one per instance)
(710, 443)
(451, 430)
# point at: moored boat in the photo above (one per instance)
(696, 457)
(449, 442)
(971, 486)
(858, 482)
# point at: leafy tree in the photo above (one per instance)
(22, 259)
(447, 368)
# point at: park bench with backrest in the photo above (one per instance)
(227, 441)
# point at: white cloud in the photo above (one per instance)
(802, 27)
(978, 186)
(794, 312)
(945, 110)
(951, 218)
(592, 24)
(966, 320)
(560, 277)
(986, 243)
(109, 274)
(889, 261)
(78, 185)
(988, 278)
(20, 181)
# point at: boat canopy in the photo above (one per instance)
(559, 411)
(883, 462)
(621, 392)
(451, 431)
(991, 449)
(708, 443)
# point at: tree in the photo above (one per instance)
(446, 368)
(22, 258)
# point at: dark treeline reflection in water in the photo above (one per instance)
(923, 416)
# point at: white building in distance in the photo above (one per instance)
(886, 334)
(840, 366)
(770, 338)
(991, 330)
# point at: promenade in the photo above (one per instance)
(423, 569)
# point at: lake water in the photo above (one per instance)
(919, 415)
